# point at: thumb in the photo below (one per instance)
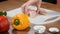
(26, 10)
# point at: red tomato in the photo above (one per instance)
(4, 24)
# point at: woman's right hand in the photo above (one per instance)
(37, 3)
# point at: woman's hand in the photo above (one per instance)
(37, 3)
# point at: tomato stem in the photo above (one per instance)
(3, 13)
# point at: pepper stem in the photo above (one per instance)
(16, 22)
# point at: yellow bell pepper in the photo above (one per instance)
(20, 22)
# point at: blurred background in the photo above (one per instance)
(12, 4)
(50, 1)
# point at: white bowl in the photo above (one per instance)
(39, 29)
(53, 29)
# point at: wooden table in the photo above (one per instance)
(8, 5)
(51, 6)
